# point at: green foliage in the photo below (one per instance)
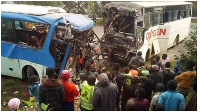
(30, 102)
(99, 22)
(191, 46)
(44, 106)
(42, 3)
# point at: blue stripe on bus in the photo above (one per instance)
(65, 58)
(26, 53)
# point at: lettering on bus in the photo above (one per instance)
(153, 33)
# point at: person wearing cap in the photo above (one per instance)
(104, 98)
(156, 76)
(52, 92)
(70, 91)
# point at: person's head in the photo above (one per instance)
(167, 65)
(88, 66)
(160, 87)
(157, 58)
(130, 66)
(91, 80)
(159, 107)
(126, 70)
(190, 64)
(130, 105)
(151, 70)
(155, 68)
(143, 79)
(139, 53)
(115, 66)
(109, 75)
(103, 79)
(34, 78)
(140, 93)
(164, 56)
(51, 73)
(140, 63)
(153, 61)
(65, 75)
(171, 85)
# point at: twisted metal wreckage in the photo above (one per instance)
(117, 44)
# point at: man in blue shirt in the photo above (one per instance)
(171, 99)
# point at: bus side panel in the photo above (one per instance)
(180, 27)
(41, 70)
(10, 67)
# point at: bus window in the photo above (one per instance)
(184, 14)
(7, 31)
(175, 15)
(31, 34)
(180, 14)
(148, 20)
(188, 13)
(161, 18)
(158, 18)
(168, 16)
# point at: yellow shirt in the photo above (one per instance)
(186, 79)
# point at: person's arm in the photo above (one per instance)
(181, 103)
(179, 77)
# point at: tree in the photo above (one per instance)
(191, 46)
(42, 3)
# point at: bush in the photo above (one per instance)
(191, 46)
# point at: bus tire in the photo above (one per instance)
(30, 71)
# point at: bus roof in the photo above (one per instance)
(46, 15)
(30, 9)
(132, 6)
(161, 3)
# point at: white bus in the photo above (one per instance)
(150, 27)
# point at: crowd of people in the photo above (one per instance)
(137, 87)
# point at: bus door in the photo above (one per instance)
(9, 54)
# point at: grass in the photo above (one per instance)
(12, 88)
(194, 20)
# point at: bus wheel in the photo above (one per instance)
(30, 71)
(176, 40)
